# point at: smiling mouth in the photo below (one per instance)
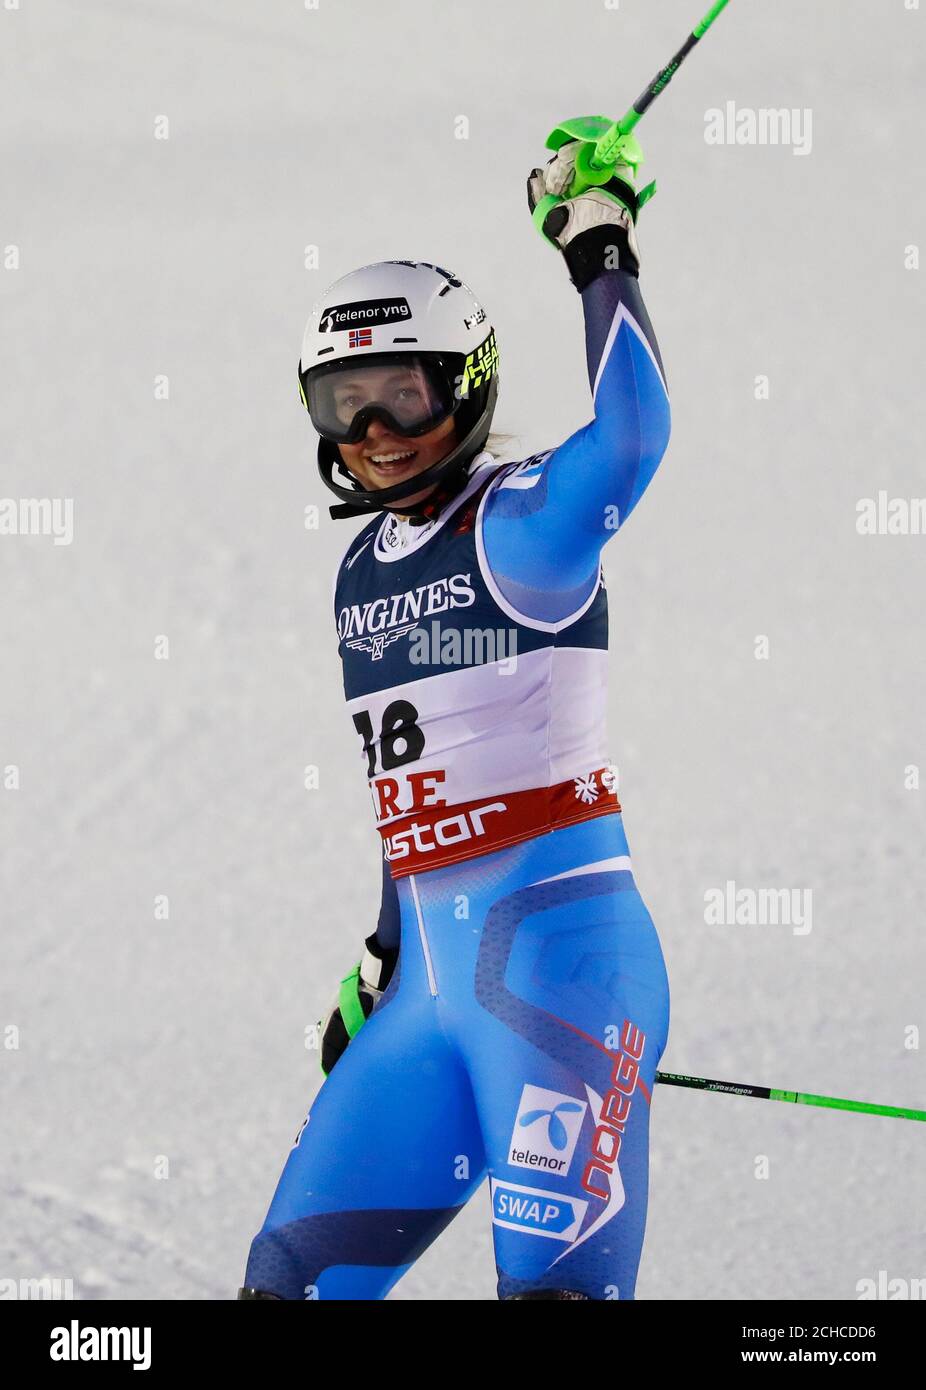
(392, 461)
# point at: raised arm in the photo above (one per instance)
(548, 519)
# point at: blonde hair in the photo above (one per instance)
(497, 443)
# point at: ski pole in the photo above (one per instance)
(598, 161)
(738, 1088)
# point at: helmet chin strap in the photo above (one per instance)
(417, 513)
(432, 505)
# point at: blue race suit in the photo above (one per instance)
(521, 1031)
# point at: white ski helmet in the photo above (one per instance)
(421, 319)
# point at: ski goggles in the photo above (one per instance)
(409, 392)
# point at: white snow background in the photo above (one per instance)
(334, 126)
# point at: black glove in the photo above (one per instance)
(359, 994)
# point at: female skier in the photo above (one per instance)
(513, 999)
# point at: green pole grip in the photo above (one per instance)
(701, 29)
(894, 1112)
(349, 1003)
